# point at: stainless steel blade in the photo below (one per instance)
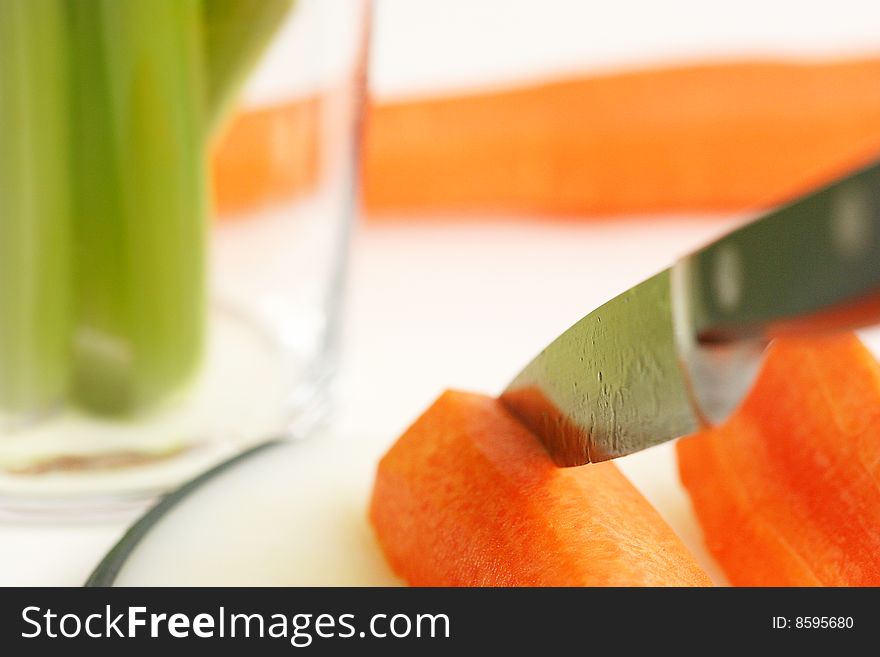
(610, 385)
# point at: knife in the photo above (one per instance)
(680, 350)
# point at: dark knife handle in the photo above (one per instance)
(812, 265)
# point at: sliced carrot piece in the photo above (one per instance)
(788, 490)
(468, 497)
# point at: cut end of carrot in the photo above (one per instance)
(468, 497)
(787, 489)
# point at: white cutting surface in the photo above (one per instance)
(452, 305)
(429, 307)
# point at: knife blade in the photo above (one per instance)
(680, 350)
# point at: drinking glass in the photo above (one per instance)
(176, 191)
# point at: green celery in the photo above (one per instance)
(34, 215)
(236, 34)
(106, 107)
(139, 200)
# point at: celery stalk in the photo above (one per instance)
(139, 199)
(34, 217)
(236, 34)
(105, 111)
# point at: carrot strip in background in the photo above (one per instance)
(788, 490)
(267, 155)
(469, 497)
(704, 138)
(716, 138)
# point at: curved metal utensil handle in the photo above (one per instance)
(811, 266)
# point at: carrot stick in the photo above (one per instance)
(468, 497)
(713, 138)
(788, 490)
(719, 137)
(266, 156)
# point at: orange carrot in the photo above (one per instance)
(788, 490)
(266, 156)
(701, 138)
(468, 497)
(720, 137)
